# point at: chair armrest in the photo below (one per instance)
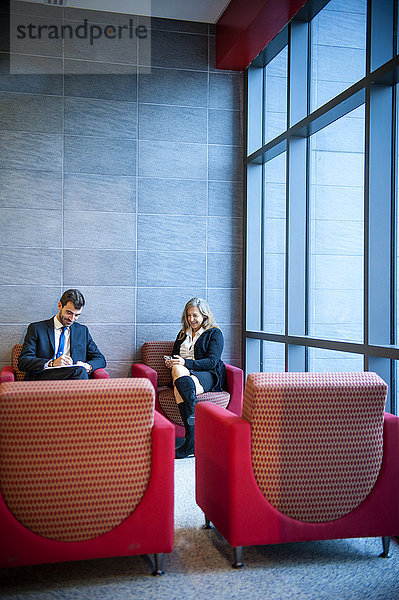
(235, 385)
(222, 458)
(7, 375)
(141, 370)
(100, 374)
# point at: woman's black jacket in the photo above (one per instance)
(207, 352)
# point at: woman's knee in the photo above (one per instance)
(179, 371)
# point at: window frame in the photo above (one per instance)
(377, 90)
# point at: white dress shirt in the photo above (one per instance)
(187, 347)
(57, 334)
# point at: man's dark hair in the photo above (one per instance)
(73, 296)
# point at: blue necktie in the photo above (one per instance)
(61, 344)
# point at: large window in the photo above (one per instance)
(338, 37)
(274, 225)
(322, 256)
(336, 229)
(275, 97)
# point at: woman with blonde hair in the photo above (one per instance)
(196, 364)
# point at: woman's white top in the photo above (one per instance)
(187, 347)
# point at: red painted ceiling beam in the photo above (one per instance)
(247, 26)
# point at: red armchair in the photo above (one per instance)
(86, 471)
(153, 368)
(12, 373)
(313, 457)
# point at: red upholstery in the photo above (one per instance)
(153, 367)
(227, 489)
(12, 373)
(86, 471)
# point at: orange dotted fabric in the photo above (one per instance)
(168, 403)
(16, 351)
(153, 356)
(75, 456)
(317, 440)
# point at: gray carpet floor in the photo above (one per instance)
(200, 568)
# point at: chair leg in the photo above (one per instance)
(158, 559)
(237, 557)
(386, 541)
(207, 524)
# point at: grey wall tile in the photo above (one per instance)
(99, 16)
(9, 336)
(99, 47)
(96, 267)
(31, 189)
(99, 193)
(224, 270)
(82, 80)
(172, 234)
(107, 305)
(148, 333)
(108, 230)
(179, 50)
(232, 342)
(164, 305)
(158, 24)
(39, 10)
(225, 163)
(99, 155)
(28, 303)
(33, 74)
(224, 235)
(163, 195)
(173, 123)
(30, 112)
(164, 159)
(170, 86)
(37, 35)
(161, 269)
(116, 341)
(118, 369)
(32, 228)
(225, 198)
(225, 127)
(226, 90)
(39, 266)
(106, 118)
(30, 151)
(226, 305)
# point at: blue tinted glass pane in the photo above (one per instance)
(275, 121)
(338, 38)
(327, 361)
(273, 357)
(274, 245)
(337, 230)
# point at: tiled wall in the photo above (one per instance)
(127, 186)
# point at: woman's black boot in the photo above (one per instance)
(187, 449)
(186, 388)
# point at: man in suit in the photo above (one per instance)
(60, 348)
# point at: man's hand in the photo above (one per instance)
(62, 361)
(88, 367)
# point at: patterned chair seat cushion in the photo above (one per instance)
(79, 450)
(316, 439)
(168, 403)
(16, 351)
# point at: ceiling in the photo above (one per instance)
(205, 11)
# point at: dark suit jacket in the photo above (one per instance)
(207, 352)
(38, 347)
